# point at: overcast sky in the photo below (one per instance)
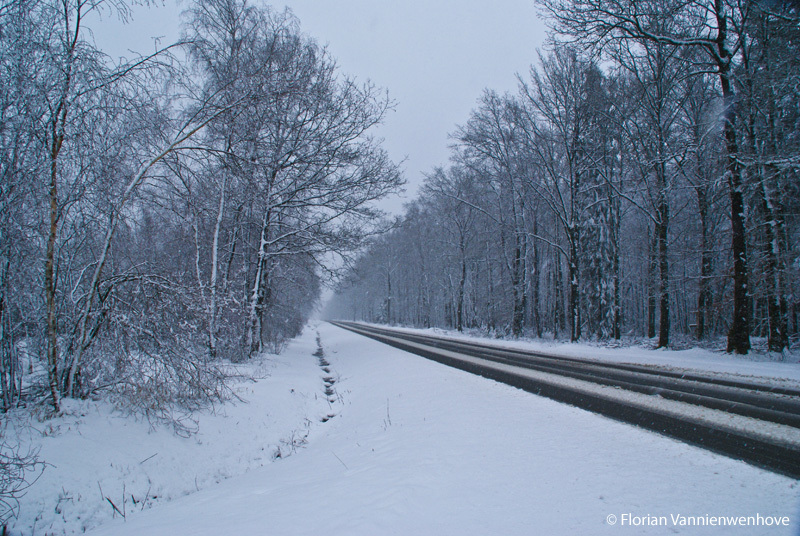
(434, 57)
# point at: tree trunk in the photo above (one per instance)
(651, 297)
(389, 297)
(518, 285)
(536, 317)
(662, 230)
(491, 307)
(777, 337)
(775, 244)
(704, 296)
(574, 287)
(664, 319)
(559, 320)
(615, 267)
(212, 306)
(739, 334)
(461, 284)
(252, 340)
(49, 276)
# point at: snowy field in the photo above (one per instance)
(413, 447)
(99, 456)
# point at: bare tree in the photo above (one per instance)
(765, 77)
(711, 27)
(559, 122)
(700, 130)
(492, 141)
(451, 192)
(652, 132)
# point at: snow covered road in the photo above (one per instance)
(418, 448)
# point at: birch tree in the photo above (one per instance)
(321, 170)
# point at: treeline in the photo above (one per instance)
(642, 181)
(162, 213)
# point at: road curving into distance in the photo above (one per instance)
(747, 419)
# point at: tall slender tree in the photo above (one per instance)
(709, 25)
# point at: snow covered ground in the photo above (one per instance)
(98, 456)
(414, 448)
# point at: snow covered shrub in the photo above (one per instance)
(168, 385)
(18, 470)
(151, 357)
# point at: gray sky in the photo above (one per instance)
(435, 57)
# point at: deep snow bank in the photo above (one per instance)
(98, 456)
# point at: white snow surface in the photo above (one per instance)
(414, 447)
(95, 451)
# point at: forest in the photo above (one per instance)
(641, 183)
(166, 213)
